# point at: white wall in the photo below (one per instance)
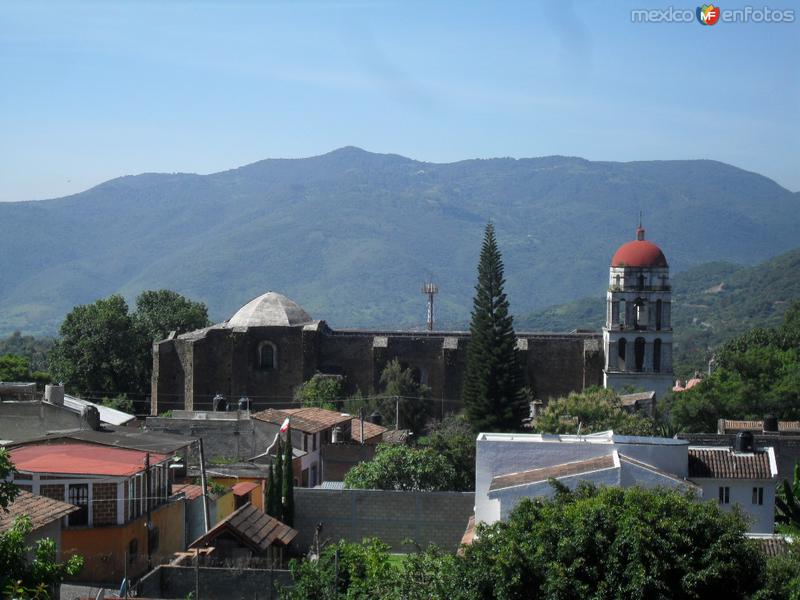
(762, 518)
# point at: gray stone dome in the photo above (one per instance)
(269, 310)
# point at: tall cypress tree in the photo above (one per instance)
(288, 482)
(493, 383)
(278, 487)
(271, 491)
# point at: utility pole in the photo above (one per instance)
(206, 519)
(430, 289)
(197, 574)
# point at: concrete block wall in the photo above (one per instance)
(169, 581)
(426, 517)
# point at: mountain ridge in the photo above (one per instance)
(351, 234)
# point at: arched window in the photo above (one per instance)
(658, 315)
(641, 282)
(657, 356)
(623, 317)
(640, 314)
(616, 281)
(638, 351)
(267, 356)
(621, 348)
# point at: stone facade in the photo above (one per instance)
(190, 370)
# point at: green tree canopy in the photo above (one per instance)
(105, 350)
(17, 368)
(322, 391)
(758, 373)
(492, 391)
(403, 391)
(400, 467)
(454, 440)
(595, 409)
(287, 485)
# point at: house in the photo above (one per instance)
(219, 504)
(510, 467)
(247, 537)
(126, 517)
(45, 514)
(311, 428)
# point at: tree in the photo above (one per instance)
(595, 409)
(783, 576)
(399, 467)
(277, 488)
(287, 488)
(787, 503)
(103, 349)
(493, 382)
(405, 394)
(322, 391)
(613, 543)
(454, 440)
(8, 491)
(272, 509)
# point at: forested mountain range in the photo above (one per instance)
(351, 235)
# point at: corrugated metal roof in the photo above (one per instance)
(112, 416)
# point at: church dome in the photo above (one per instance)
(639, 253)
(269, 310)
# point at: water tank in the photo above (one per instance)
(376, 418)
(744, 442)
(54, 394)
(770, 424)
(336, 436)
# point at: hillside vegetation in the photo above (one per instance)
(712, 303)
(351, 235)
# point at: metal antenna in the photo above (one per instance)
(430, 289)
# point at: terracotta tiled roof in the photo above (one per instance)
(370, 430)
(191, 490)
(243, 488)
(307, 420)
(773, 545)
(556, 471)
(469, 535)
(730, 426)
(395, 436)
(724, 463)
(80, 459)
(252, 527)
(41, 510)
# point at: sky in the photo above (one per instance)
(96, 90)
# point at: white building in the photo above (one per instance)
(637, 337)
(510, 467)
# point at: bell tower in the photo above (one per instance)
(637, 337)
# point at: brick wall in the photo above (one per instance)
(56, 492)
(426, 517)
(104, 505)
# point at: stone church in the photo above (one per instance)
(271, 346)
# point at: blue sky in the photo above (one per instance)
(96, 90)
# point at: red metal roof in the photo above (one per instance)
(81, 459)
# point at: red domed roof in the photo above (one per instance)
(639, 253)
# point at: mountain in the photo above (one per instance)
(351, 235)
(711, 303)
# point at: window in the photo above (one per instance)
(267, 356)
(621, 348)
(758, 495)
(640, 314)
(78, 495)
(658, 314)
(623, 313)
(305, 442)
(657, 356)
(641, 282)
(724, 494)
(314, 442)
(638, 351)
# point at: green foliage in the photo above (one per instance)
(277, 488)
(222, 460)
(104, 349)
(217, 489)
(758, 373)
(595, 409)
(121, 402)
(273, 509)
(17, 368)
(454, 440)
(783, 576)
(287, 485)
(400, 467)
(322, 391)
(32, 348)
(39, 576)
(400, 385)
(8, 491)
(787, 504)
(613, 543)
(492, 391)
(367, 570)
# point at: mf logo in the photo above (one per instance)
(708, 14)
